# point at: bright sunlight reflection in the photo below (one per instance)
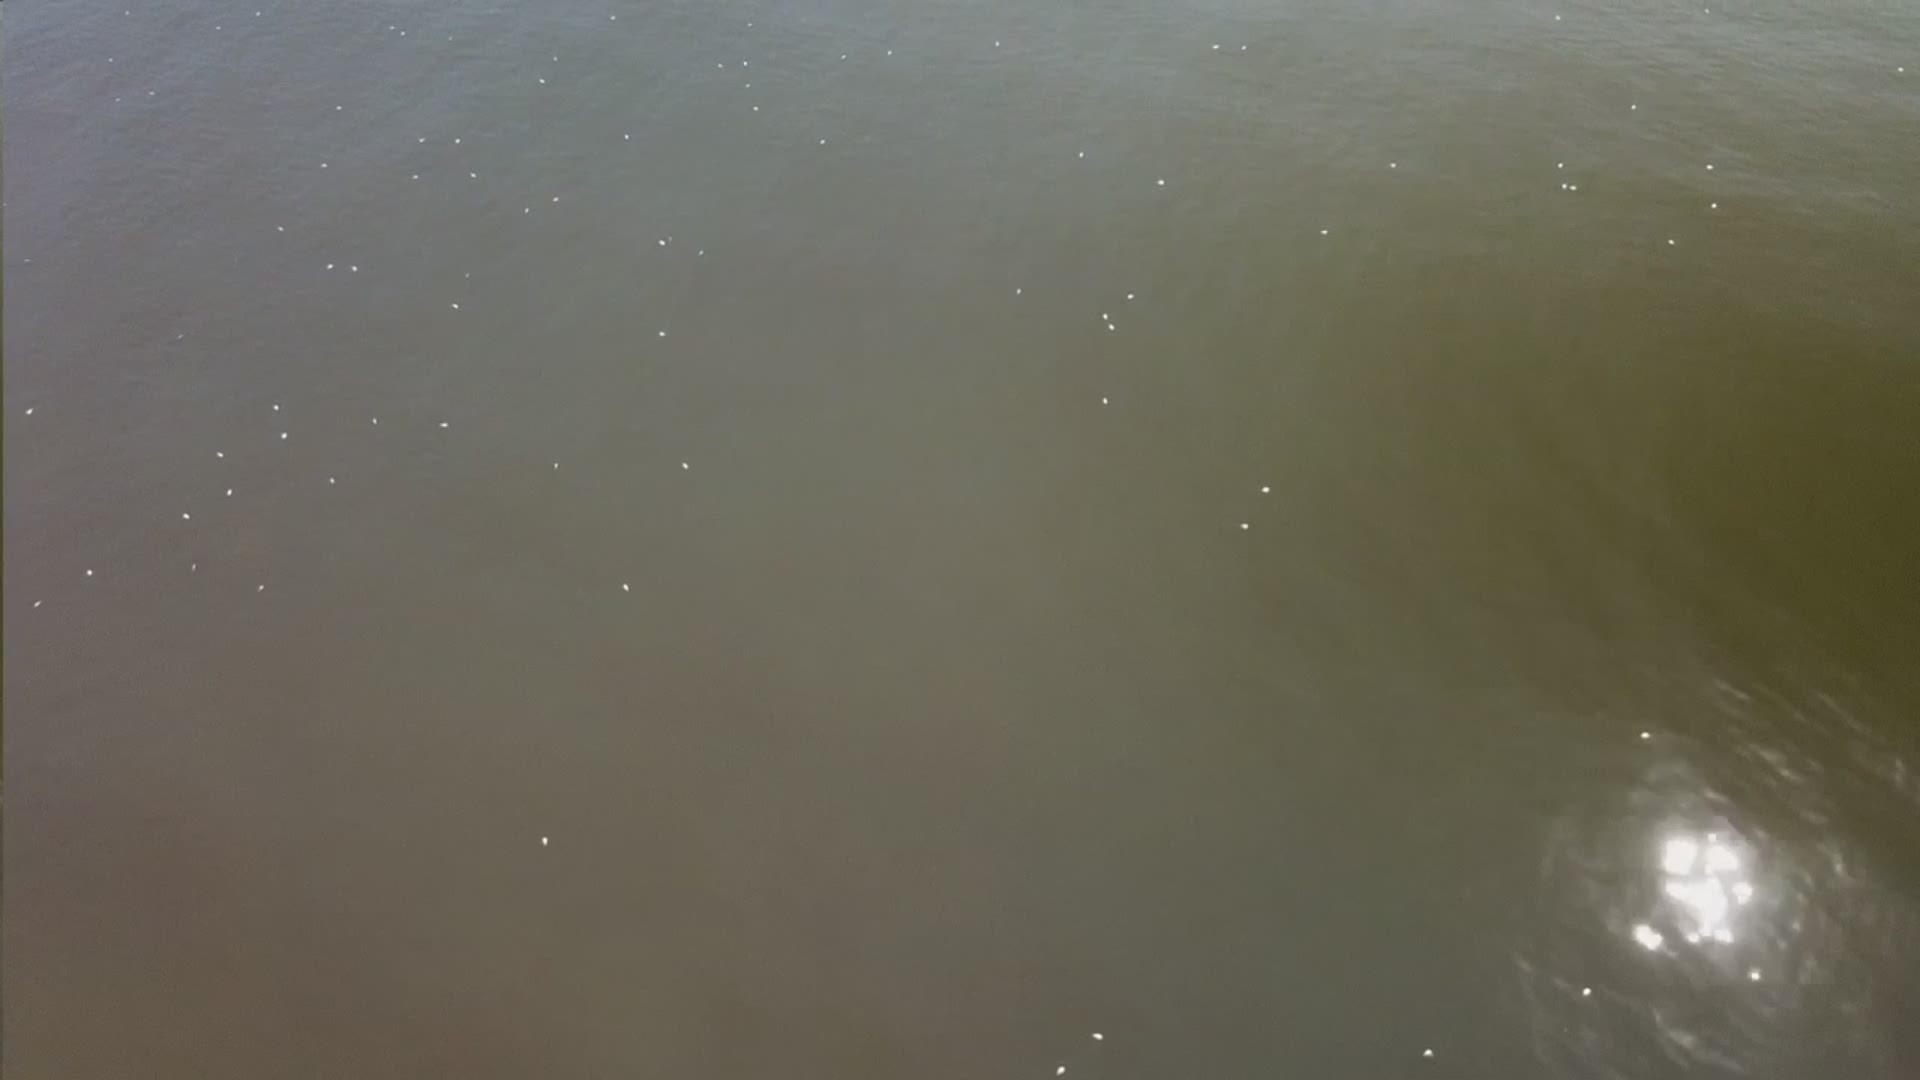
(1707, 882)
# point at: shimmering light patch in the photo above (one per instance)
(1679, 855)
(1649, 938)
(1705, 879)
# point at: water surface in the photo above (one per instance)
(843, 540)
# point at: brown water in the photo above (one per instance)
(1436, 574)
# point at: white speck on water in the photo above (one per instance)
(456, 142)
(329, 266)
(1645, 735)
(455, 307)
(1160, 183)
(323, 164)
(29, 410)
(1266, 489)
(1713, 206)
(1129, 296)
(1323, 232)
(1393, 164)
(1709, 168)
(1428, 1052)
(37, 603)
(684, 465)
(186, 516)
(624, 587)
(443, 423)
(283, 436)
(1060, 1070)
(1669, 241)
(329, 479)
(473, 176)
(354, 269)
(1016, 292)
(261, 589)
(1649, 938)
(823, 142)
(1097, 1036)
(1586, 991)
(543, 841)
(89, 573)
(1083, 153)
(1633, 108)
(1753, 974)
(1245, 525)
(229, 493)
(376, 421)
(219, 453)
(556, 465)
(663, 333)
(280, 228)
(1103, 401)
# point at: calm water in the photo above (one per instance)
(841, 539)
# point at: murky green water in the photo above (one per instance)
(844, 540)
